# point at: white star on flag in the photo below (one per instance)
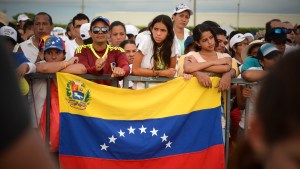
(131, 130)
(154, 132)
(53, 42)
(168, 144)
(104, 147)
(164, 138)
(122, 134)
(143, 129)
(112, 139)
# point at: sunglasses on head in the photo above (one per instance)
(280, 30)
(97, 29)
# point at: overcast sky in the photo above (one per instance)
(63, 10)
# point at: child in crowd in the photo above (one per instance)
(54, 61)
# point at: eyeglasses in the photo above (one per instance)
(280, 30)
(97, 29)
(291, 30)
(77, 26)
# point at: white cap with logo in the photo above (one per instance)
(8, 31)
(182, 7)
(236, 39)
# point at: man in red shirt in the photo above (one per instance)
(100, 58)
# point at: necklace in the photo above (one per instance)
(159, 65)
(95, 54)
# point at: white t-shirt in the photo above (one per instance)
(146, 47)
(30, 51)
(70, 49)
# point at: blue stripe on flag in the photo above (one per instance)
(89, 137)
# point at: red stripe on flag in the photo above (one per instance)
(211, 158)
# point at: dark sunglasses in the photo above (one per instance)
(280, 30)
(97, 29)
(291, 30)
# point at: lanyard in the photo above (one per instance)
(95, 54)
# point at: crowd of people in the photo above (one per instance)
(165, 48)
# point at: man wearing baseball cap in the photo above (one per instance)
(99, 58)
(237, 43)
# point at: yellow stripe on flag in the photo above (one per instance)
(177, 96)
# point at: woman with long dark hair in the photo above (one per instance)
(157, 52)
(205, 61)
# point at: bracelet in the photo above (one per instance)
(157, 73)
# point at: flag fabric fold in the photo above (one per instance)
(176, 124)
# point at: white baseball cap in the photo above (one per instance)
(84, 31)
(249, 36)
(182, 7)
(8, 31)
(59, 32)
(236, 39)
(22, 17)
(131, 29)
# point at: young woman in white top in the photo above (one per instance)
(205, 61)
(157, 51)
(181, 16)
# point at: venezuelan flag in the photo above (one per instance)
(175, 125)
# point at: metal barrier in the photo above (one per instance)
(146, 80)
(227, 123)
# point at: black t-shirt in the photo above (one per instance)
(14, 115)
